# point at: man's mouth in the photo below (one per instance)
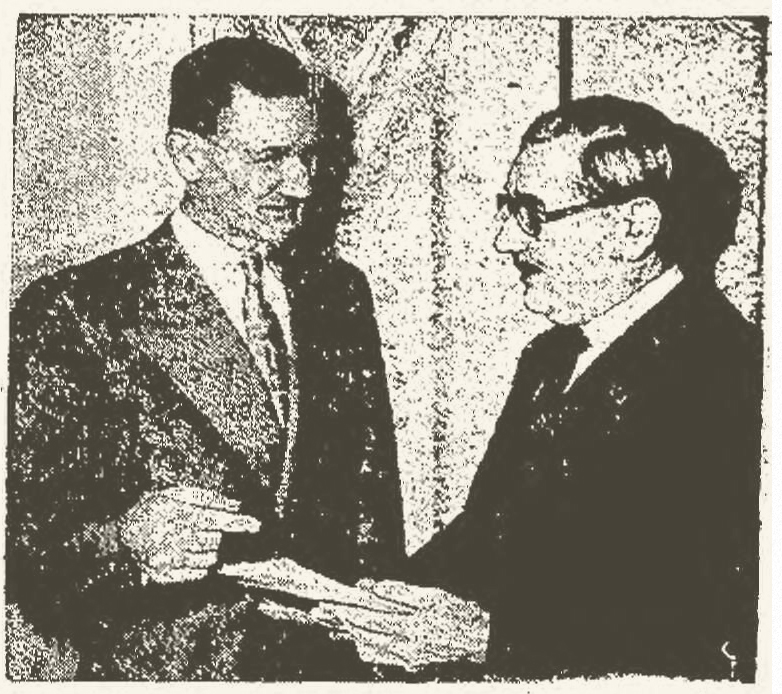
(280, 209)
(287, 212)
(526, 269)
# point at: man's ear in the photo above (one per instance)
(643, 223)
(187, 153)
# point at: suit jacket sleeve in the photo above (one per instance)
(640, 555)
(380, 520)
(65, 567)
(381, 496)
(346, 510)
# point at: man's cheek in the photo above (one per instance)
(549, 292)
(260, 187)
(537, 293)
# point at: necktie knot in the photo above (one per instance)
(547, 364)
(561, 340)
(264, 336)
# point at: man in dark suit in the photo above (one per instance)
(612, 525)
(214, 393)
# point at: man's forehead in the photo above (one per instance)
(279, 120)
(550, 170)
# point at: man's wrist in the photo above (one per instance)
(103, 538)
(480, 628)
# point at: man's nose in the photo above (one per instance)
(510, 238)
(295, 179)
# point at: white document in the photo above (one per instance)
(284, 575)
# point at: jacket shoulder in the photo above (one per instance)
(335, 281)
(88, 285)
(339, 270)
(727, 340)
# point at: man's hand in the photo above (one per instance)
(422, 626)
(175, 533)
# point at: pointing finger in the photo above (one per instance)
(177, 575)
(193, 560)
(203, 498)
(228, 522)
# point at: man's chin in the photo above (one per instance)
(537, 294)
(272, 229)
(279, 215)
(540, 302)
(527, 270)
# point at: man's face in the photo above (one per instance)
(259, 167)
(566, 265)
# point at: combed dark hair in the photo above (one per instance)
(634, 150)
(201, 82)
(201, 87)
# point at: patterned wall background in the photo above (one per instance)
(440, 105)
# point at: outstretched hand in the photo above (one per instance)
(175, 533)
(422, 626)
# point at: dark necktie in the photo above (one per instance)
(267, 345)
(546, 365)
(527, 430)
(265, 338)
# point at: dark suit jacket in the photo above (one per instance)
(627, 541)
(127, 376)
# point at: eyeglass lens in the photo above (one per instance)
(525, 209)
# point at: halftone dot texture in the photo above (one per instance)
(708, 75)
(440, 105)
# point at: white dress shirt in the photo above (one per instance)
(220, 264)
(606, 328)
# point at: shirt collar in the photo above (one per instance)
(203, 247)
(209, 249)
(605, 328)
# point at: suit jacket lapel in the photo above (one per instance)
(633, 361)
(182, 327)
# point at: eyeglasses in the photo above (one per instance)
(269, 156)
(530, 212)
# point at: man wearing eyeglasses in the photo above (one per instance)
(612, 524)
(212, 394)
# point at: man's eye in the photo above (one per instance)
(265, 156)
(277, 156)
